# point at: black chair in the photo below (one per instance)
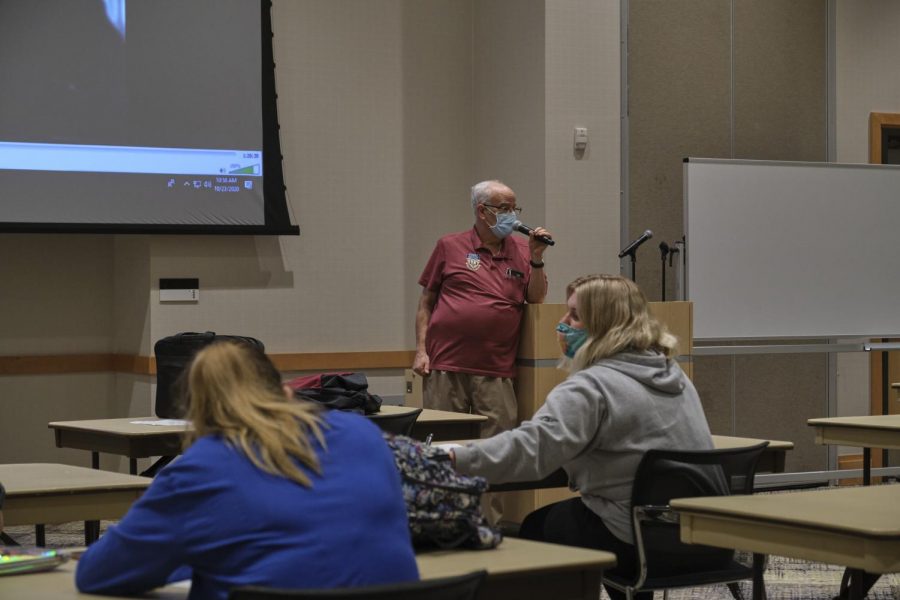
(664, 561)
(461, 587)
(400, 424)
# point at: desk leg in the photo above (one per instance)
(867, 466)
(8, 541)
(95, 460)
(759, 583)
(40, 538)
(856, 584)
(91, 532)
(132, 466)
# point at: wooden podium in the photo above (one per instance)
(537, 374)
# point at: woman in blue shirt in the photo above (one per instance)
(271, 491)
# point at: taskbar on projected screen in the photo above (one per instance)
(124, 187)
(23, 156)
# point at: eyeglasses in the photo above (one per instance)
(505, 210)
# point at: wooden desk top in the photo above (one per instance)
(869, 511)
(559, 478)
(60, 583)
(512, 557)
(52, 493)
(872, 431)
(722, 442)
(34, 479)
(121, 427)
(888, 422)
(126, 427)
(858, 527)
(429, 415)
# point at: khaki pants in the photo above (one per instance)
(493, 397)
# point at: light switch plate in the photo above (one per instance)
(179, 289)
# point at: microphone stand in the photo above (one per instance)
(631, 250)
(631, 254)
(664, 251)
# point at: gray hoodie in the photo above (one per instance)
(597, 424)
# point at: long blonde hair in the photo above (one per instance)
(235, 391)
(614, 311)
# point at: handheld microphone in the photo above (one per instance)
(526, 230)
(630, 248)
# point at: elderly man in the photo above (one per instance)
(467, 323)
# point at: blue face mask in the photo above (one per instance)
(570, 339)
(504, 225)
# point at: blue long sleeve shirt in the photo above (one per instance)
(216, 517)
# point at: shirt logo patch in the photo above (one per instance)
(473, 262)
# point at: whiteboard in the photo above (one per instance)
(791, 249)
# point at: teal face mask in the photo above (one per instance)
(504, 225)
(570, 339)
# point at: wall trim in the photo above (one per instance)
(57, 364)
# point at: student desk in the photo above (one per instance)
(771, 461)
(857, 527)
(875, 431)
(40, 493)
(444, 425)
(121, 436)
(517, 569)
(520, 569)
(772, 458)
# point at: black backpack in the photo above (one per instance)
(343, 391)
(173, 353)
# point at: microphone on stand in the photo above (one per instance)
(526, 230)
(630, 248)
(672, 253)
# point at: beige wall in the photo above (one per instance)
(390, 110)
(582, 89)
(866, 80)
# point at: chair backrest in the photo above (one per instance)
(666, 474)
(400, 424)
(460, 587)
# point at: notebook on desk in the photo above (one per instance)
(15, 560)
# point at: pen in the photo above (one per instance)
(428, 439)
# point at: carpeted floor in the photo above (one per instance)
(786, 579)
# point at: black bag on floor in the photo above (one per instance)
(173, 353)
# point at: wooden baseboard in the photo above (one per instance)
(146, 365)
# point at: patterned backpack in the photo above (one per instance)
(444, 507)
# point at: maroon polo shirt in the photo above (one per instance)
(474, 326)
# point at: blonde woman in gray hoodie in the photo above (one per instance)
(625, 394)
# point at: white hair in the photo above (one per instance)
(483, 191)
